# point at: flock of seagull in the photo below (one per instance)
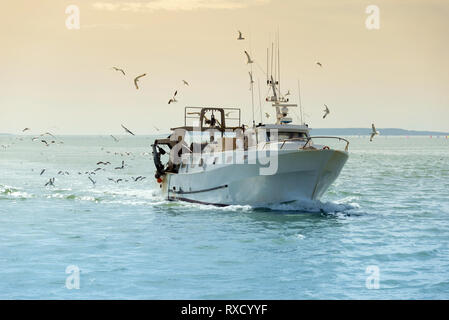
(101, 165)
(249, 60)
(51, 181)
(53, 140)
(137, 79)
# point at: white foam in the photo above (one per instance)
(14, 192)
(233, 208)
(315, 206)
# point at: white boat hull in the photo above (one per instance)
(300, 175)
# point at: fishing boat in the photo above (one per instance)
(214, 159)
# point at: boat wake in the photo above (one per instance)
(315, 206)
(343, 206)
(153, 198)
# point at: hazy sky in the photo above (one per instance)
(57, 79)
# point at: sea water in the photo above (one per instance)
(381, 231)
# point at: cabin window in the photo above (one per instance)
(288, 135)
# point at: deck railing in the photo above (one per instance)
(327, 137)
(308, 139)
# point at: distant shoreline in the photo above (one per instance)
(367, 131)
(314, 131)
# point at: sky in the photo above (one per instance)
(60, 79)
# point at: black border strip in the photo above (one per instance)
(273, 309)
(198, 191)
(199, 202)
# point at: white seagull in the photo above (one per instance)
(173, 100)
(240, 36)
(92, 180)
(127, 130)
(136, 79)
(248, 58)
(115, 139)
(373, 133)
(120, 70)
(251, 81)
(319, 64)
(326, 111)
(185, 82)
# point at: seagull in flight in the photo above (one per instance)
(319, 64)
(127, 130)
(122, 167)
(326, 111)
(136, 79)
(267, 115)
(173, 100)
(288, 93)
(115, 139)
(240, 36)
(92, 180)
(26, 129)
(248, 58)
(373, 133)
(48, 133)
(251, 81)
(50, 182)
(185, 82)
(118, 180)
(120, 70)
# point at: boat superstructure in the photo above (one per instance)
(215, 159)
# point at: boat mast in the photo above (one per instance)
(251, 81)
(277, 99)
(260, 101)
(300, 103)
(279, 65)
(268, 70)
(272, 54)
(252, 95)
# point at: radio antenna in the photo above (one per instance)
(260, 101)
(300, 103)
(279, 65)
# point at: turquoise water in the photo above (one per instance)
(388, 209)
